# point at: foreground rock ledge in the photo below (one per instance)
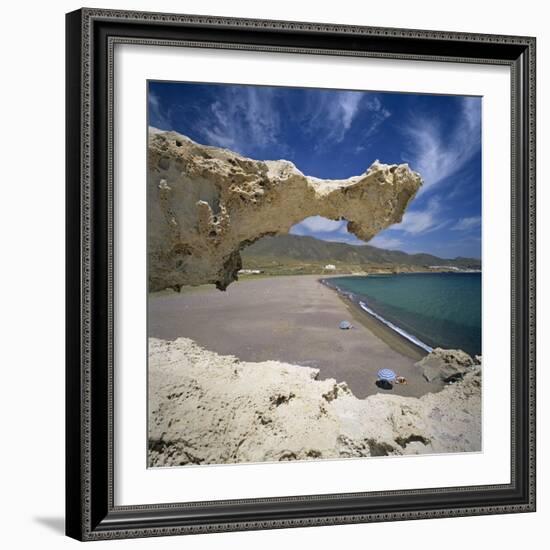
(205, 204)
(212, 409)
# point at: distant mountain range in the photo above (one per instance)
(294, 249)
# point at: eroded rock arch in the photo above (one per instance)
(205, 204)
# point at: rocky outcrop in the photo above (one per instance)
(210, 409)
(205, 204)
(447, 365)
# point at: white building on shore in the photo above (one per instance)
(250, 271)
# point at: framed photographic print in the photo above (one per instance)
(300, 274)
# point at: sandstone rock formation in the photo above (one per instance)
(210, 409)
(205, 204)
(449, 365)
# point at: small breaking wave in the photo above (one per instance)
(395, 328)
(355, 299)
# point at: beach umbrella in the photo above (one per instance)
(386, 374)
(344, 325)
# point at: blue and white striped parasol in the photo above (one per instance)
(386, 374)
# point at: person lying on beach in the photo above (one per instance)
(401, 380)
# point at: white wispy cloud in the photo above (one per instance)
(249, 118)
(415, 222)
(325, 229)
(318, 224)
(244, 118)
(388, 243)
(347, 105)
(437, 154)
(465, 224)
(332, 115)
(424, 220)
(378, 114)
(157, 115)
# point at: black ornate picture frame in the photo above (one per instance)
(90, 509)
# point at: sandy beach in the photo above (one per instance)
(291, 319)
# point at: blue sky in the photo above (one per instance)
(337, 134)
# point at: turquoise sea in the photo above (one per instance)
(431, 309)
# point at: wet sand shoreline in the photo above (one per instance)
(390, 337)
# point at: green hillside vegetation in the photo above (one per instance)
(293, 254)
